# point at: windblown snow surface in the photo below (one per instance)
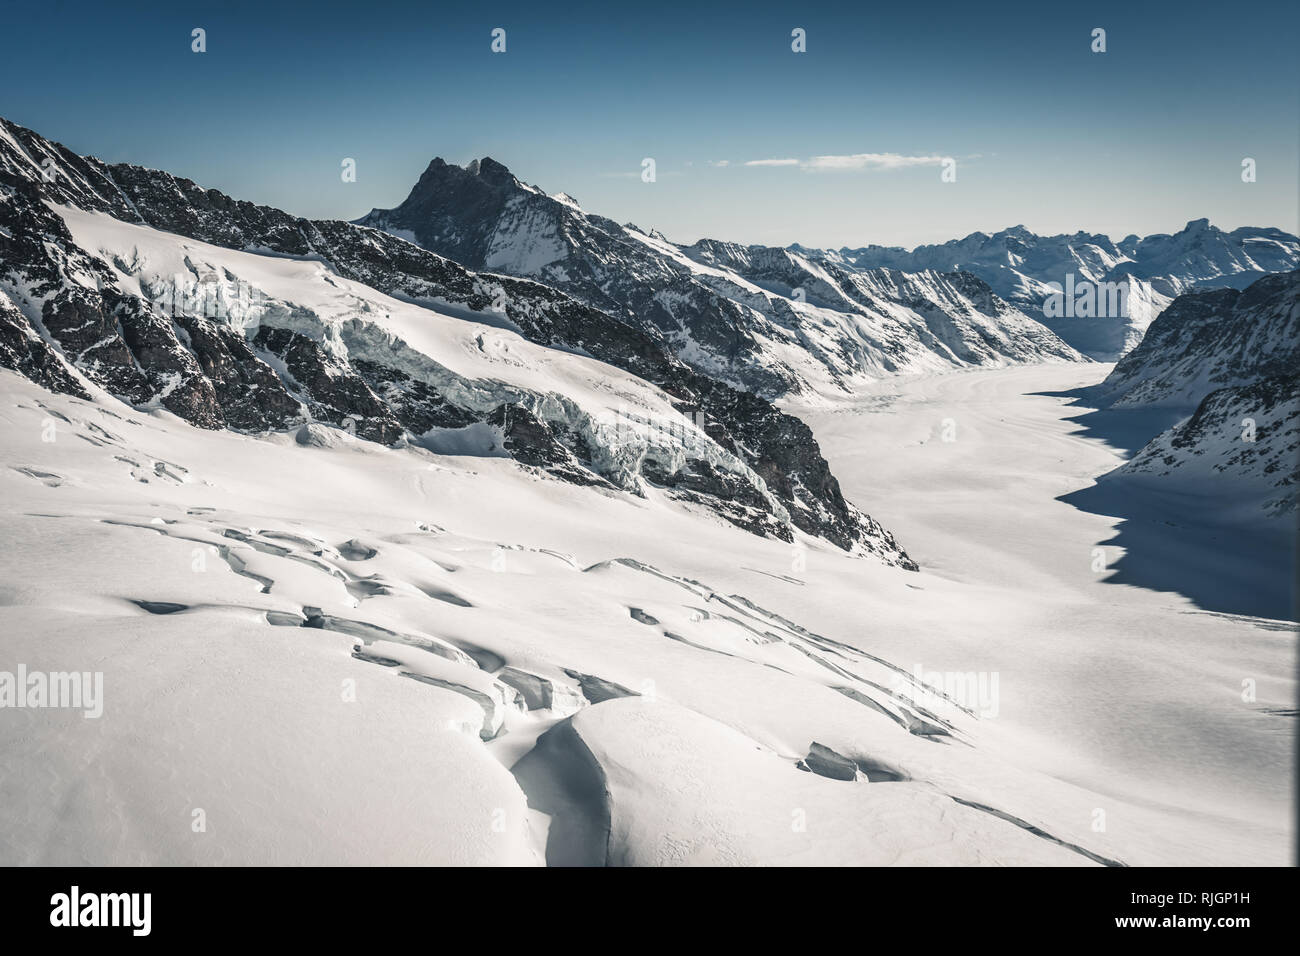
(345, 653)
(317, 649)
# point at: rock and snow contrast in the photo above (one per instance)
(283, 320)
(1020, 266)
(1229, 362)
(488, 531)
(771, 321)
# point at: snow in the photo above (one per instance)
(481, 364)
(1112, 696)
(526, 244)
(16, 146)
(318, 650)
(1112, 680)
(1018, 265)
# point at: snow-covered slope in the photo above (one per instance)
(363, 654)
(360, 654)
(769, 320)
(1240, 448)
(886, 321)
(1232, 361)
(1019, 265)
(1212, 339)
(259, 320)
(382, 560)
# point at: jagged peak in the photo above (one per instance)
(489, 169)
(1019, 231)
(439, 172)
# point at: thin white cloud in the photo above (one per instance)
(872, 161)
(719, 162)
(854, 161)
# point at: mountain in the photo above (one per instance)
(381, 559)
(770, 321)
(1151, 271)
(452, 662)
(130, 282)
(1211, 339)
(1241, 445)
(1231, 359)
(961, 321)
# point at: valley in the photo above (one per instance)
(637, 680)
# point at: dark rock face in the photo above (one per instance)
(171, 371)
(1267, 394)
(792, 466)
(338, 394)
(1216, 450)
(472, 214)
(24, 351)
(417, 405)
(214, 376)
(482, 198)
(533, 442)
(1214, 338)
(76, 319)
(699, 482)
(250, 394)
(119, 342)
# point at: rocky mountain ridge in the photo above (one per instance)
(1231, 360)
(770, 321)
(1019, 265)
(78, 319)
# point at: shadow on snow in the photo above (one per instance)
(1173, 541)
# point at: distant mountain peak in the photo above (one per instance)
(1024, 268)
(441, 176)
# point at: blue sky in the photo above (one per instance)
(1045, 132)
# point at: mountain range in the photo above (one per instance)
(795, 319)
(1229, 362)
(771, 321)
(1019, 265)
(484, 525)
(328, 324)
